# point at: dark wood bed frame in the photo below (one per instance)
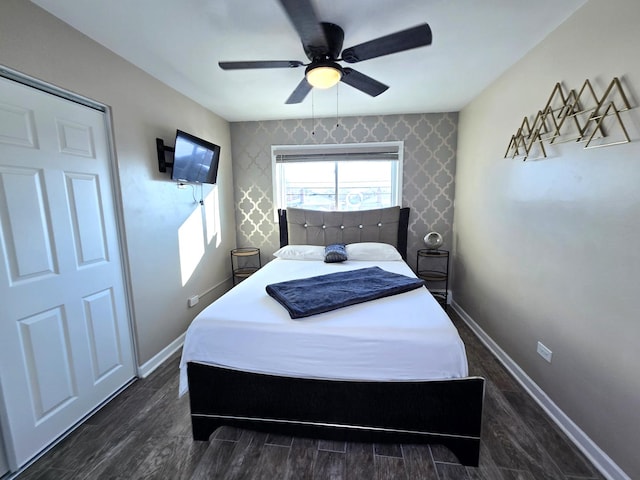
(446, 412)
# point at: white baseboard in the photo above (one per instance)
(149, 366)
(600, 459)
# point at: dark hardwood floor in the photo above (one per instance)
(144, 433)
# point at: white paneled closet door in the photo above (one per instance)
(65, 338)
(4, 465)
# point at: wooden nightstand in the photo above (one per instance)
(244, 262)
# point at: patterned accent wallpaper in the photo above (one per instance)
(430, 142)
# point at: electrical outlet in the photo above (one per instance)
(544, 352)
(192, 301)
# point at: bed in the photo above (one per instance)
(388, 370)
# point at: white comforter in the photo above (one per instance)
(402, 337)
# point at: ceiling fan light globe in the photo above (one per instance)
(323, 76)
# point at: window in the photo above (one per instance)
(338, 177)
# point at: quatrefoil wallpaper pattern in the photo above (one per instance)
(430, 142)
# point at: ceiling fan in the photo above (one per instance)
(322, 43)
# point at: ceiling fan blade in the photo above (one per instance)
(303, 17)
(418, 36)
(362, 82)
(300, 92)
(260, 64)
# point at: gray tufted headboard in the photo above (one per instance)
(316, 227)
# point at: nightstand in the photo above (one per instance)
(433, 267)
(244, 262)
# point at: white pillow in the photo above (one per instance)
(301, 252)
(372, 251)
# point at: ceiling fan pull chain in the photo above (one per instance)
(337, 104)
(313, 115)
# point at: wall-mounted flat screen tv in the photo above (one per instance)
(195, 160)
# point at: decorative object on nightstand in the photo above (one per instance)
(244, 262)
(432, 266)
(433, 240)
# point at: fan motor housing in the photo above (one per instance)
(335, 38)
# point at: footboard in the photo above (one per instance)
(447, 412)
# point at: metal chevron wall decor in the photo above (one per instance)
(573, 116)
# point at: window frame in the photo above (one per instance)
(333, 152)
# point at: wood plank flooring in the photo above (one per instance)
(144, 433)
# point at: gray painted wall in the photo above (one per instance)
(156, 213)
(548, 249)
(428, 169)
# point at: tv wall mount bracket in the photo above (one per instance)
(162, 150)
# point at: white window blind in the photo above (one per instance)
(338, 177)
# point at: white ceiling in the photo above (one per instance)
(181, 41)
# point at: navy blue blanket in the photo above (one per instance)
(309, 296)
